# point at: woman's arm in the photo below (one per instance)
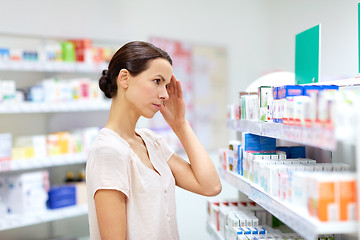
(200, 176)
(111, 214)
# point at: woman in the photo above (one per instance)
(131, 173)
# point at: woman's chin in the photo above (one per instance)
(149, 115)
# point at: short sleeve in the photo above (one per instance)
(108, 168)
(165, 148)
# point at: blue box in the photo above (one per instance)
(297, 152)
(61, 196)
(275, 92)
(284, 149)
(250, 142)
(267, 143)
(329, 87)
(239, 166)
(308, 89)
(291, 90)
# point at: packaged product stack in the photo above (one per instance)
(52, 91)
(286, 174)
(24, 193)
(298, 105)
(235, 220)
(46, 148)
(73, 50)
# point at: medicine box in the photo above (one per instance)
(284, 92)
(264, 93)
(311, 89)
(252, 142)
(61, 196)
(26, 192)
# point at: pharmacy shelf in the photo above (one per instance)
(295, 218)
(27, 164)
(16, 221)
(39, 66)
(214, 235)
(316, 136)
(75, 106)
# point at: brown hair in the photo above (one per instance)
(133, 56)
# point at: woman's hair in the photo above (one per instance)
(133, 56)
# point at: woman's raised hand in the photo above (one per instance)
(173, 109)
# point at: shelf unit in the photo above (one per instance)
(319, 137)
(214, 235)
(53, 116)
(38, 66)
(28, 164)
(17, 221)
(295, 218)
(75, 106)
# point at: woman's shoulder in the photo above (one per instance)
(148, 133)
(109, 142)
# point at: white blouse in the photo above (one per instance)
(150, 202)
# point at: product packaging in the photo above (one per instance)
(264, 93)
(26, 192)
(68, 51)
(61, 196)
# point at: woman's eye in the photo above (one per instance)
(157, 81)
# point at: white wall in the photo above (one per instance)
(339, 34)
(237, 25)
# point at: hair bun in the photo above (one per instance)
(105, 73)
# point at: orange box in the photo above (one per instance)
(63, 142)
(52, 144)
(348, 198)
(82, 47)
(326, 205)
(322, 197)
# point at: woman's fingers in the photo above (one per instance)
(179, 89)
(173, 85)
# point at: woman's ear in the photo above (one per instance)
(123, 78)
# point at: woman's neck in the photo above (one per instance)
(122, 120)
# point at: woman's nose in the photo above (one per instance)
(164, 94)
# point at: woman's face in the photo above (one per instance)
(147, 91)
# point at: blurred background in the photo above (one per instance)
(219, 48)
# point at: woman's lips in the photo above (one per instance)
(157, 106)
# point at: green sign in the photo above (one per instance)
(307, 56)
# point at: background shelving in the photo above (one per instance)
(28, 164)
(22, 66)
(337, 144)
(75, 106)
(319, 137)
(293, 217)
(215, 235)
(16, 221)
(42, 118)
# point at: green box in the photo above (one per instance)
(68, 52)
(307, 56)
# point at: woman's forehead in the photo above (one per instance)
(160, 67)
